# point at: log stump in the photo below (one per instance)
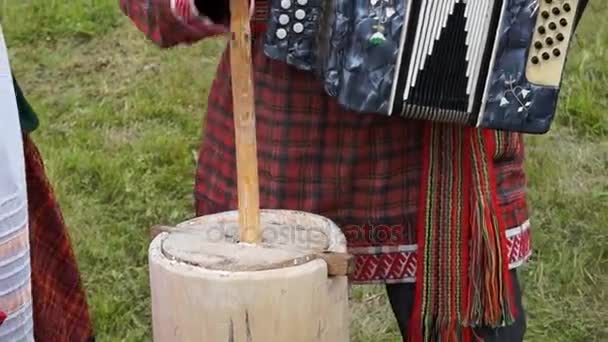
(206, 286)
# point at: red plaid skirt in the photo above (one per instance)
(360, 170)
(60, 306)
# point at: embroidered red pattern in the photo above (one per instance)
(398, 264)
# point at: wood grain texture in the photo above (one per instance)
(205, 286)
(338, 263)
(295, 304)
(244, 122)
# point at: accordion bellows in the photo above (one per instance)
(485, 63)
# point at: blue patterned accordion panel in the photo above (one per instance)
(485, 63)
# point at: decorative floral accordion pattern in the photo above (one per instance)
(487, 63)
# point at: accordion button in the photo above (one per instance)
(556, 52)
(549, 41)
(302, 2)
(298, 27)
(281, 33)
(538, 45)
(548, 1)
(556, 11)
(560, 37)
(563, 22)
(286, 4)
(546, 55)
(552, 26)
(284, 19)
(567, 7)
(300, 14)
(542, 30)
(545, 14)
(535, 60)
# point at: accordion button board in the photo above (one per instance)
(291, 28)
(485, 63)
(552, 36)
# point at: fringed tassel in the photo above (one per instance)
(462, 275)
(417, 325)
(489, 288)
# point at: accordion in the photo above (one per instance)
(484, 63)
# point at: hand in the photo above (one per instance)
(184, 10)
(216, 11)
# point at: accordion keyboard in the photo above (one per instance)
(291, 31)
(444, 61)
(552, 35)
(485, 63)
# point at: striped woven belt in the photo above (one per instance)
(260, 17)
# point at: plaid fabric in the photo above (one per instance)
(155, 18)
(60, 307)
(363, 171)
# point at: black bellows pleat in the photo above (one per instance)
(408, 47)
(443, 81)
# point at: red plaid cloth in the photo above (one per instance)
(360, 170)
(156, 20)
(60, 306)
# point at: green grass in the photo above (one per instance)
(121, 122)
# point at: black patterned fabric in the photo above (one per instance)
(27, 116)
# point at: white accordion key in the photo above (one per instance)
(550, 42)
(300, 14)
(286, 4)
(284, 19)
(298, 27)
(281, 33)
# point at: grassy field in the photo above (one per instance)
(120, 124)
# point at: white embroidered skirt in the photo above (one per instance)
(15, 272)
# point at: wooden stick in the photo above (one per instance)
(338, 264)
(244, 123)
